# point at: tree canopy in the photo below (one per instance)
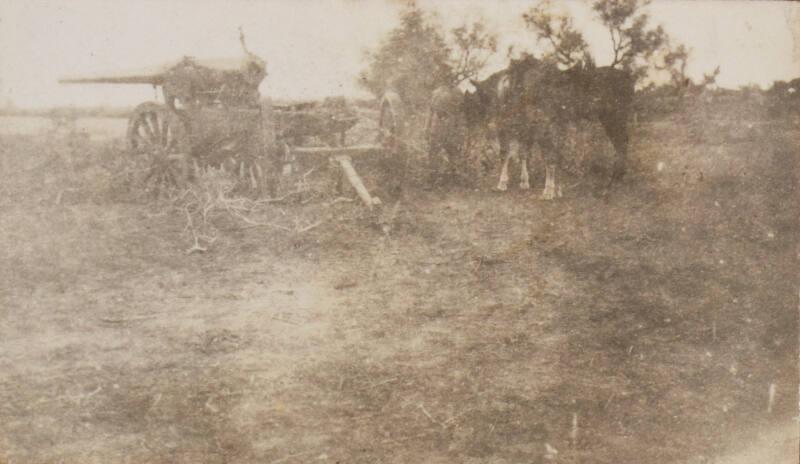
(412, 60)
(417, 56)
(566, 44)
(637, 45)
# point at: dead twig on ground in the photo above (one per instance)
(196, 247)
(62, 192)
(455, 256)
(610, 398)
(425, 411)
(310, 226)
(290, 456)
(282, 197)
(339, 200)
(573, 433)
(345, 284)
(452, 420)
(124, 320)
(770, 397)
(384, 382)
(572, 186)
(252, 223)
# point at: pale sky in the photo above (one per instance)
(316, 48)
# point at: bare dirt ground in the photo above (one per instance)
(646, 326)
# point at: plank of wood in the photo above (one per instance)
(352, 177)
(353, 150)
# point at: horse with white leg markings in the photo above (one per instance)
(492, 104)
(532, 102)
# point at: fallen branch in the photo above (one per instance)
(282, 198)
(570, 187)
(310, 226)
(127, 319)
(196, 248)
(384, 382)
(425, 411)
(771, 398)
(290, 456)
(573, 433)
(340, 200)
(345, 284)
(252, 223)
(61, 194)
(452, 420)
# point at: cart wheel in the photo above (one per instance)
(160, 136)
(391, 125)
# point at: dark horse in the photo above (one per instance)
(444, 128)
(531, 102)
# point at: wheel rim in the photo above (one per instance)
(388, 128)
(159, 135)
(390, 134)
(153, 130)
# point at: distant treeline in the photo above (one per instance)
(75, 112)
(780, 99)
(68, 112)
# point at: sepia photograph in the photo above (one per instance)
(399, 231)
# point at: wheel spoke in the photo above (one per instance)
(165, 132)
(156, 127)
(170, 141)
(139, 142)
(159, 134)
(143, 121)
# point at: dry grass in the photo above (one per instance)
(646, 326)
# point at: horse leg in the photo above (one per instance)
(524, 158)
(505, 153)
(549, 192)
(556, 181)
(551, 154)
(617, 131)
(524, 178)
(552, 187)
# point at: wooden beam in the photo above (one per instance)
(355, 181)
(353, 150)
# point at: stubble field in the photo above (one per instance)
(645, 326)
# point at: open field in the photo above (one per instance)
(646, 326)
(96, 128)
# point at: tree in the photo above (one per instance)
(416, 57)
(567, 45)
(710, 79)
(413, 60)
(634, 42)
(473, 47)
(674, 60)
